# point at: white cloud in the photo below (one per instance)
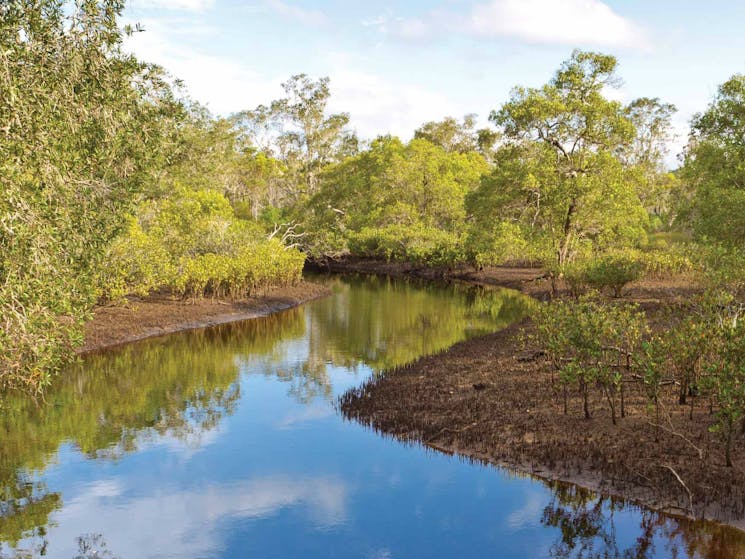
(376, 105)
(572, 22)
(225, 85)
(311, 17)
(565, 22)
(188, 523)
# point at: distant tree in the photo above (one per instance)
(393, 184)
(460, 137)
(645, 157)
(299, 132)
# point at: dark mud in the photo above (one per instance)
(158, 315)
(491, 400)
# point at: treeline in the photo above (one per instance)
(115, 183)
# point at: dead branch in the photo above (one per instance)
(690, 495)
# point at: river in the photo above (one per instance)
(226, 442)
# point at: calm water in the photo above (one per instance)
(226, 443)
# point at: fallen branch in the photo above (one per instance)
(690, 495)
(675, 433)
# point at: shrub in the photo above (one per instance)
(613, 271)
(589, 342)
(413, 243)
(191, 244)
(135, 264)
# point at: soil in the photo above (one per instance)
(158, 315)
(496, 399)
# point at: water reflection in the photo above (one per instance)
(588, 529)
(194, 444)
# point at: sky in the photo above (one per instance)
(394, 65)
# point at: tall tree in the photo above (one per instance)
(567, 136)
(300, 132)
(645, 157)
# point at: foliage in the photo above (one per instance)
(82, 129)
(591, 343)
(725, 378)
(414, 243)
(561, 174)
(191, 243)
(715, 165)
(613, 271)
(412, 193)
(297, 130)
(461, 137)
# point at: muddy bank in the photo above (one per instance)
(531, 281)
(158, 315)
(491, 400)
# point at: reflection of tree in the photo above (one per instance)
(90, 546)
(587, 523)
(93, 546)
(25, 507)
(386, 323)
(179, 386)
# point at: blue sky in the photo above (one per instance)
(396, 64)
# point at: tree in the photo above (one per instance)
(714, 166)
(460, 137)
(645, 157)
(298, 131)
(570, 182)
(405, 192)
(81, 130)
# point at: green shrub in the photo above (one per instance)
(575, 275)
(262, 265)
(613, 271)
(589, 343)
(191, 244)
(414, 243)
(136, 264)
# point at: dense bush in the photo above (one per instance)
(82, 124)
(418, 244)
(191, 244)
(612, 271)
(254, 267)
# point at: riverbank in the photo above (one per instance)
(490, 400)
(159, 315)
(530, 281)
(495, 399)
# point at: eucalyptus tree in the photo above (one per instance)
(298, 130)
(560, 177)
(645, 157)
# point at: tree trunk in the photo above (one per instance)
(567, 233)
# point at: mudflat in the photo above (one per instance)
(158, 315)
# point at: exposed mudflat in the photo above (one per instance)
(496, 399)
(491, 400)
(158, 315)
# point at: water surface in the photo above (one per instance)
(226, 442)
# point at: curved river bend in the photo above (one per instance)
(226, 443)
